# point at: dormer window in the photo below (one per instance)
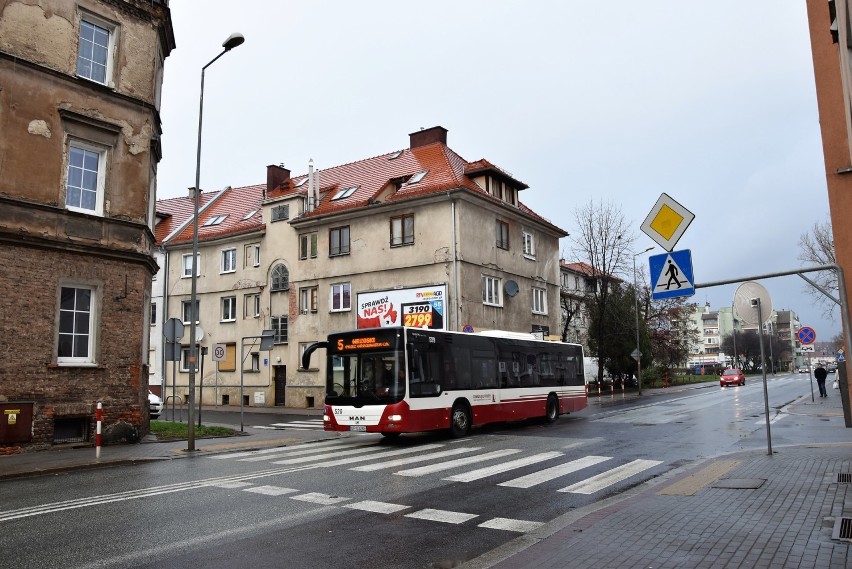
(344, 193)
(417, 177)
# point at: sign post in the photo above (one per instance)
(807, 336)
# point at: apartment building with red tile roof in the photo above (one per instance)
(357, 245)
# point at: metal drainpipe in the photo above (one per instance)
(165, 312)
(455, 265)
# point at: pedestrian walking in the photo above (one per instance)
(820, 374)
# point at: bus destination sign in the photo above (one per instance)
(365, 343)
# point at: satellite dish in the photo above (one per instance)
(511, 288)
(199, 334)
(746, 299)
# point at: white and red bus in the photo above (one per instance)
(407, 380)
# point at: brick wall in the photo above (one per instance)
(29, 285)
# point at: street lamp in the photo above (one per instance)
(636, 299)
(233, 41)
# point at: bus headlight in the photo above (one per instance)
(394, 417)
(325, 418)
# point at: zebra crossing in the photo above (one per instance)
(455, 462)
(308, 425)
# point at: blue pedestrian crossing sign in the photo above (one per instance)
(671, 274)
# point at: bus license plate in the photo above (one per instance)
(362, 428)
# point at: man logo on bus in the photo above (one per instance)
(361, 418)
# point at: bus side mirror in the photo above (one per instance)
(306, 355)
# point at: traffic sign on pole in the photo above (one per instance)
(671, 274)
(806, 335)
(219, 352)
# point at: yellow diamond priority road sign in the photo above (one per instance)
(667, 222)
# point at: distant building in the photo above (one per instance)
(79, 147)
(418, 236)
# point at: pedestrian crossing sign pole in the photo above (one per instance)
(671, 274)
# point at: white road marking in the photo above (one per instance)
(431, 469)
(377, 507)
(228, 484)
(263, 451)
(303, 450)
(610, 477)
(582, 442)
(318, 498)
(773, 420)
(412, 459)
(367, 448)
(444, 516)
(511, 465)
(382, 454)
(554, 472)
(508, 524)
(271, 490)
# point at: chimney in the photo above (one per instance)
(275, 176)
(428, 136)
(192, 192)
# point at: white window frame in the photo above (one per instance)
(109, 64)
(340, 297)
(187, 266)
(184, 359)
(229, 261)
(101, 152)
(528, 240)
(539, 300)
(229, 308)
(91, 333)
(185, 305)
(492, 290)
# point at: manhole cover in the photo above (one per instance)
(740, 483)
(844, 478)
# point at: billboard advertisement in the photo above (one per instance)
(418, 307)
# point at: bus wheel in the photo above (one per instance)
(552, 409)
(459, 421)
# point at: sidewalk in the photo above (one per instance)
(149, 449)
(741, 510)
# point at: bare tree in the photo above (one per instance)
(817, 248)
(602, 242)
(572, 307)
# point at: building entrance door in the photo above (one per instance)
(280, 379)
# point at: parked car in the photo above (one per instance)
(802, 369)
(732, 376)
(155, 404)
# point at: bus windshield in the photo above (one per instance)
(365, 375)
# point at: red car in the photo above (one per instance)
(732, 376)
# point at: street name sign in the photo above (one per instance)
(671, 274)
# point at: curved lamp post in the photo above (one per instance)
(233, 41)
(636, 299)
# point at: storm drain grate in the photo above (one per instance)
(842, 529)
(844, 478)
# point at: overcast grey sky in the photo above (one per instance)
(710, 102)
